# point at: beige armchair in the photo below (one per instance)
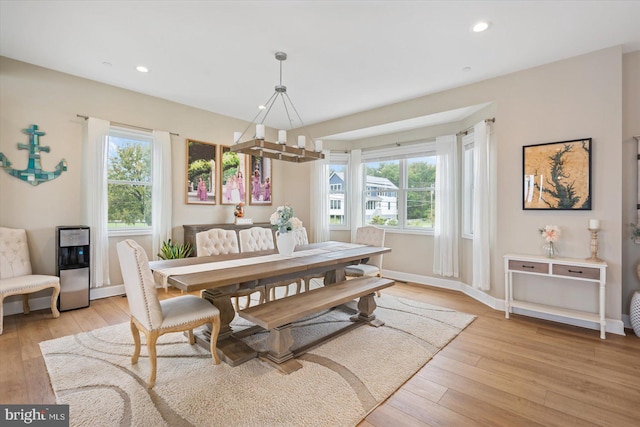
(261, 239)
(219, 241)
(154, 317)
(15, 272)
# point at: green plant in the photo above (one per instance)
(635, 231)
(175, 250)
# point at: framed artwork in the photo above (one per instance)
(260, 181)
(201, 173)
(233, 180)
(557, 175)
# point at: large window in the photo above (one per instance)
(338, 180)
(129, 180)
(399, 192)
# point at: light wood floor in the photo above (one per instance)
(497, 372)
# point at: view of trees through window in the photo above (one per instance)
(129, 181)
(400, 192)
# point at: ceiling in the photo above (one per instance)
(344, 56)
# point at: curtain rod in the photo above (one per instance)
(127, 125)
(466, 131)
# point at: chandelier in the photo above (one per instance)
(279, 150)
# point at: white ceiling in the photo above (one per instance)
(344, 56)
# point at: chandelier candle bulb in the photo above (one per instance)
(259, 131)
(317, 145)
(594, 224)
(302, 143)
(282, 137)
(236, 137)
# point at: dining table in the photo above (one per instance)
(219, 276)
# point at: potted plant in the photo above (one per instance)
(171, 250)
(634, 309)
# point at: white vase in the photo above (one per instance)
(286, 243)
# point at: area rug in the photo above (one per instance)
(340, 382)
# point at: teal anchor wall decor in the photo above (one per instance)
(33, 174)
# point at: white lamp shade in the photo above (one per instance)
(282, 136)
(317, 145)
(302, 142)
(236, 137)
(259, 131)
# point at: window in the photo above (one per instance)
(129, 180)
(468, 176)
(338, 180)
(399, 187)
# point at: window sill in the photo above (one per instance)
(409, 231)
(130, 232)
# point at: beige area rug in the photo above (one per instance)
(340, 382)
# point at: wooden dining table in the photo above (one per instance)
(219, 276)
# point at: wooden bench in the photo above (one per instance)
(277, 316)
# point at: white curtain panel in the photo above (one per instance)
(94, 182)
(446, 227)
(161, 194)
(481, 212)
(320, 199)
(355, 191)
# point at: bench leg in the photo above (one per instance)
(366, 307)
(279, 342)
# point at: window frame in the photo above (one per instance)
(343, 160)
(468, 186)
(402, 154)
(136, 135)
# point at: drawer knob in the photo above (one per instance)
(527, 266)
(575, 271)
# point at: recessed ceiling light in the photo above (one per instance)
(107, 64)
(480, 26)
(466, 68)
(142, 69)
(261, 107)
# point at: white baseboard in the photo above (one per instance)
(613, 326)
(43, 303)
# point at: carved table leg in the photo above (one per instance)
(334, 276)
(279, 342)
(366, 307)
(230, 349)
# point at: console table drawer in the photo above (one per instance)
(529, 266)
(574, 271)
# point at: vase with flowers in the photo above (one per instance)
(551, 233)
(284, 222)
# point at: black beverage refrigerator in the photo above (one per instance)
(72, 255)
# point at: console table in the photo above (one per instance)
(190, 231)
(566, 268)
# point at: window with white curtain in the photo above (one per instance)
(129, 181)
(468, 173)
(399, 187)
(338, 195)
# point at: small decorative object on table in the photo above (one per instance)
(551, 233)
(594, 226)
(283, 222)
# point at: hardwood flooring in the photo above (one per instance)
(497, 372)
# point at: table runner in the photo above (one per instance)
(162, 275)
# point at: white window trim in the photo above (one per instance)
(467, 204)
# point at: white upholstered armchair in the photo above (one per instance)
(154, 317)
(260, 239)
(219, 241)
(15, 272)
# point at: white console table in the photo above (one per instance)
(566, 268)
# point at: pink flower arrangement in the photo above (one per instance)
(551, 233)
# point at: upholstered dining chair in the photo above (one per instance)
(372, 236)
(154, 317)
(16, 276)
(218, 241)
(260, 239)
(303, 239)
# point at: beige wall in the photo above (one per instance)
(570, 99)
(574, 98)
(630, 191)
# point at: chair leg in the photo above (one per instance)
(25, 304)
(192, 339)
(152, 337)
(298, 286)
(54, 301)
(136, 342)
(215, 330)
